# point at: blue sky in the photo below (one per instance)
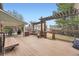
(32, 11)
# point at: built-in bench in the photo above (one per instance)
(7, 44)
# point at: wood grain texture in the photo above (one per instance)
(33, 46)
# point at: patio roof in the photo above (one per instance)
(8, 19)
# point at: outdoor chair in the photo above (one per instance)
(76, 43)
(38, 35)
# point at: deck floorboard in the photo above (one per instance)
(33, 46)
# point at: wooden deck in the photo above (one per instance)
(32, 46)
(10, 41)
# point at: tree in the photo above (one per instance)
(65, 6)
(16, 15)
(62, 7)
(67, 22)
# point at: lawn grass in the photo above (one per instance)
(60, 37)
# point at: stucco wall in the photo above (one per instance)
(76, 5)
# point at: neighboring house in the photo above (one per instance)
(38, 27)
(76, 5)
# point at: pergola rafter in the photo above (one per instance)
(68, 13)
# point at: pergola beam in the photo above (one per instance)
(68, 13)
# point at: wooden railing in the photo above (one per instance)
(2, 43)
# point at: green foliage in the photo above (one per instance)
(8, 30)
(61, 21)
(71, 21)
(62, 7)
(65, 6)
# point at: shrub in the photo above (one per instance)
(8, 30)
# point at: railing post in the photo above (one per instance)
(32, 28)
(53, 34)
(2, 41)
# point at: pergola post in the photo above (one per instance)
(1, 6)
(33, 27)
(1, 27)
(45, 29)
(41, 33)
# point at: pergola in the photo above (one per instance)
(57, 15)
